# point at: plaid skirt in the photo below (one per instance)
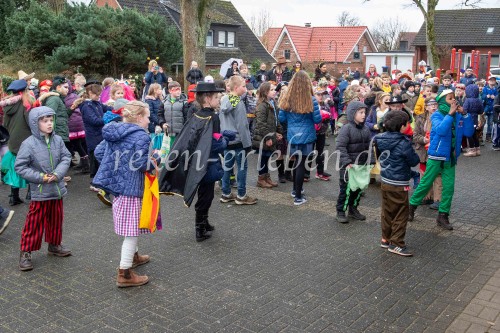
(126, 216)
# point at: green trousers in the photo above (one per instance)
(433, 169)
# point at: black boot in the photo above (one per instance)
(14, 197)
(443, 222)
(85, 164)
(281, 171)
(208, 226)
(355, 214)
(201, 232)
(411, 215)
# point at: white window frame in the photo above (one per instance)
(221, 42)
(230, 34)
(210, 42)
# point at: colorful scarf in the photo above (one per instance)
(234, 100)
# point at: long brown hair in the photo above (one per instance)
(298, 98)
(263, 91)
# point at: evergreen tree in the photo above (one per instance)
(7, 7)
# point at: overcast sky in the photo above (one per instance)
(325, 12)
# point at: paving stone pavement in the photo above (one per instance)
(271, 267)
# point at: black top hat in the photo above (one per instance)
(91, 82)
(396, 100)
(206, 87)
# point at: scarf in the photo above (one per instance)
(410, 93)
(234, 100)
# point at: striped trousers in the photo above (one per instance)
(43, 215)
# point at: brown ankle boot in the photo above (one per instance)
(262, 182)
(140, 259)
(270, 181)
(128, 278)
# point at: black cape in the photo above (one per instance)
(186, 164)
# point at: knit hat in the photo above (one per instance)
(209, 78)
(409, 84)
(119, 105)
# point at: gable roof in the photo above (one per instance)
(313, 43)
(464, 27)
(270, 37)
(248, 48)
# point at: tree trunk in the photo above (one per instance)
(432, 54)
(195, 23)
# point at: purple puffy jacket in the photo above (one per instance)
(75, 121)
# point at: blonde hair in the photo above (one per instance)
(298, 98)
(234, 81)
(152, 63)
(133, 110)
(152, 88)
(80, 79)
(107, 81)
(380, 96)
(114, 88)
(377, 82)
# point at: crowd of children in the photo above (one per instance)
(378, 120)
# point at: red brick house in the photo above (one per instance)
(339, 47)
(465, 29)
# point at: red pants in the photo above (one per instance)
(42, 215)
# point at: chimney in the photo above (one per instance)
(307, 25)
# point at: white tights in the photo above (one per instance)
(129, 248)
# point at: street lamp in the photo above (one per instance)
(330, 48)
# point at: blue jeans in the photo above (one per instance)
(489, 123)
(237, 155)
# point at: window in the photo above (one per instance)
(356, 48)
(403, 45)
(490, 30)
(222, 39)
(230, 39)
(495, 61)
(210, 38)
(286, 54)
(365, 49)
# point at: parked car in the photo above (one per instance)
(495, 71)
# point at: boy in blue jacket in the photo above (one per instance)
(448, 125)
(397, 157)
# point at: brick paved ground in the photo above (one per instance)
(272, 267)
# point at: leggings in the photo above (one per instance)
(299, 169)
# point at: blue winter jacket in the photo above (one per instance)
(154, 107)
(301, 125)
(92, 115)
(124, 157)
(488, 102)
(468, 80)
(473, 104)
(441, 131)
(397, 157)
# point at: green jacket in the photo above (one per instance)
(56, 102)
(15, 121)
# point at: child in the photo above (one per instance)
(449, 125)
(488, 96)
(153, 99)
(323, 101)
(267, 132)
(233, 117)
(353, 143)
(420, 105)
(92, 114)
(43, 160)
(473, 105)
(397, 157)
(173, 115)
(396, 89)
(201, 134)
(386, 83)
(410, 95)
(300, 111)
(115, 93)
(5, 218)
(124, 178)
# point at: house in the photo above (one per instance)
(229, 36)
(465, 29)
(341, 46)
(405, 41)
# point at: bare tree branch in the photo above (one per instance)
(346, 19)
(386, 33)
(260, 22)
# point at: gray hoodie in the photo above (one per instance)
(235, 119)
(37, 157)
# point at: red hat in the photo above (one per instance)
(45, 83)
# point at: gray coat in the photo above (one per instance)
(173, 114)
(235, 119)
(37, 157)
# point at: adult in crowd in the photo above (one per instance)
(356, 74)
(372, 72)
(298, 67)
(195, 74)
(469, 77)
(261, 75)
(233, 70)
(321, 72)
(280, 72)
(155, 74)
